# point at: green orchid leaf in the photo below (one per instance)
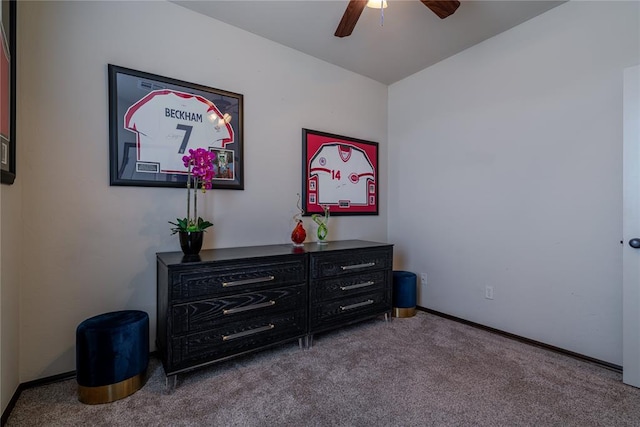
(202, 224)
(186, 225)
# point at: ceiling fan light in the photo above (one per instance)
(375, 4)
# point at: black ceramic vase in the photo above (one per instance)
(191, 242)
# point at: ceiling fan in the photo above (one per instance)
(442, 8)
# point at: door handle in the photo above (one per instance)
(635, 243)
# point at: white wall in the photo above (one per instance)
(11, 226)
(505, 171)
(93, 246)
(10, 246)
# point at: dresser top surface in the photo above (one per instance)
(229, 254)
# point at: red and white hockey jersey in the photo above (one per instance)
(343, 172)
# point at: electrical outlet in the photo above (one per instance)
(488, 292)
(423, 279)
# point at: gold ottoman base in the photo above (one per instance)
(404, 312)
(111, 392)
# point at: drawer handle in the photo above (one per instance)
(249, 332)
(351, 267)
(249, 307)
(359, 285)
(248, 281)
(352, 306)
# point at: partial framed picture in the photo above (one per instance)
(8, 91)
(339, 172)
(154, 121)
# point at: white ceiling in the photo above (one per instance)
(411, 38)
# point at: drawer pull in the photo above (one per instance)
(352, 306)
(351, 267)
(249, 307)
(249, 332)
(359, 285)
(248, 281)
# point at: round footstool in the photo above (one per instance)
(404, 294)
(112, 354)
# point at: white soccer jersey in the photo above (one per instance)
(168, 123)
(343, 172)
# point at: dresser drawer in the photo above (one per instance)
(329, 314)
(339, 264)
(346, 286)
(235, 338)
(225, 279)
(201, 315)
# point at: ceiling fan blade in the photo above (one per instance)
(442, 8)
(350, 18)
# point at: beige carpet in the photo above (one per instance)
(419, 371)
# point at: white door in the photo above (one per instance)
(631, 230)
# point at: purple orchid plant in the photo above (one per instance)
(200, 173)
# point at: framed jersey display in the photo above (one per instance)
(154, 121)
(340, 173)
(8, 91)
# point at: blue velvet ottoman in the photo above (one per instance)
(112, 354)
(404, 294)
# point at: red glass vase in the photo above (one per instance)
(298, 234)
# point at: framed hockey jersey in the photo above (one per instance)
(339, 172)
(8, 91)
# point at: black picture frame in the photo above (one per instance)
(345, 168)
(155, 120)
(8, 92)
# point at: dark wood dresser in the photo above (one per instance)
(232, 301)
